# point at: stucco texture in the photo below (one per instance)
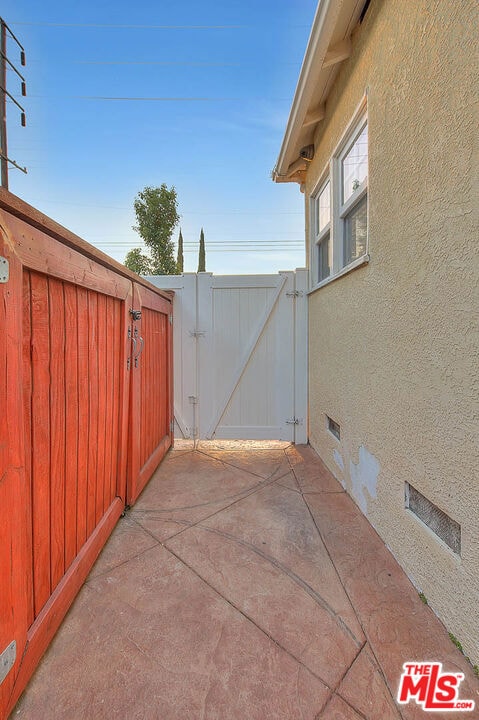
(394, 344)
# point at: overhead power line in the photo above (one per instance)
(158, 98)
(217, 243)
(247, 246)
(259, 212)
(232, 245)
(245, 250)
(166, 63)
(227, 246)
(240, 243)
(112, 26)
(107, 248)
(170, 63)
(175, 63)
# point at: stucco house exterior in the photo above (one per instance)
(381, 139)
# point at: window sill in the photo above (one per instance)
(363, 260)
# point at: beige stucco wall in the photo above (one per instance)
(394, 344)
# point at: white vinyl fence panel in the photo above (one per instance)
(240, 355)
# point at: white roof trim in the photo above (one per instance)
(328, 45)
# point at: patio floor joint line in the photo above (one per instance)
(318, 599)
(379, 666)
(241, 612)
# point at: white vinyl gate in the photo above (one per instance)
(240, 355)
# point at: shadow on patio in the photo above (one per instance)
(244, 584)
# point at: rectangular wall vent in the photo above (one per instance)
(441, 524)
(333, 427)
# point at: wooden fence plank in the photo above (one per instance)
(71, 422)
(57, 429)
(109, 389)
(143, 369)
(14, 562)
(93, 410)
(155, 379)
(115, 396)
(163, 420)
(27, 410)
(83, 415)
(40, 440)
(102, 383)
(162, 394)
(125, 387)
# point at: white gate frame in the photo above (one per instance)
(192, 348)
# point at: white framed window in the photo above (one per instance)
(339, 217)
(322, 225)
(353, 210)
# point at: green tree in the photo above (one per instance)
(137, 261)
(179, 259)
(202, 253)
(156, 210)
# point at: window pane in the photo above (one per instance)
(323, 258)
(324, 207)
(355, 232)
(355, 164)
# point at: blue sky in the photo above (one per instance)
(225, 73)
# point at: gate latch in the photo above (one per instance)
(7, 660)
(135, 314)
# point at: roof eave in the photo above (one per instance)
(328, 45)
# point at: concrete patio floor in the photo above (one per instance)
(245, 584)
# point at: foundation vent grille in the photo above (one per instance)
(333, 427)
(441, 524)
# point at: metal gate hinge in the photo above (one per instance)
(197, 333)
(294, 293)
(171, 319)
(294, 421)
(7, 660)
(4, 270)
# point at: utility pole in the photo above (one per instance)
(4, 60)
(3, 104)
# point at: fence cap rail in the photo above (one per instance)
(22, 210)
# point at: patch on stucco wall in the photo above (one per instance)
(338, 459)
(364, 478)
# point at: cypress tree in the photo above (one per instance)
(179, 261)
(202, 253)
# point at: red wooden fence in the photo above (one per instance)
(85, 418)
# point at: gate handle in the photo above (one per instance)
(142, 342)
